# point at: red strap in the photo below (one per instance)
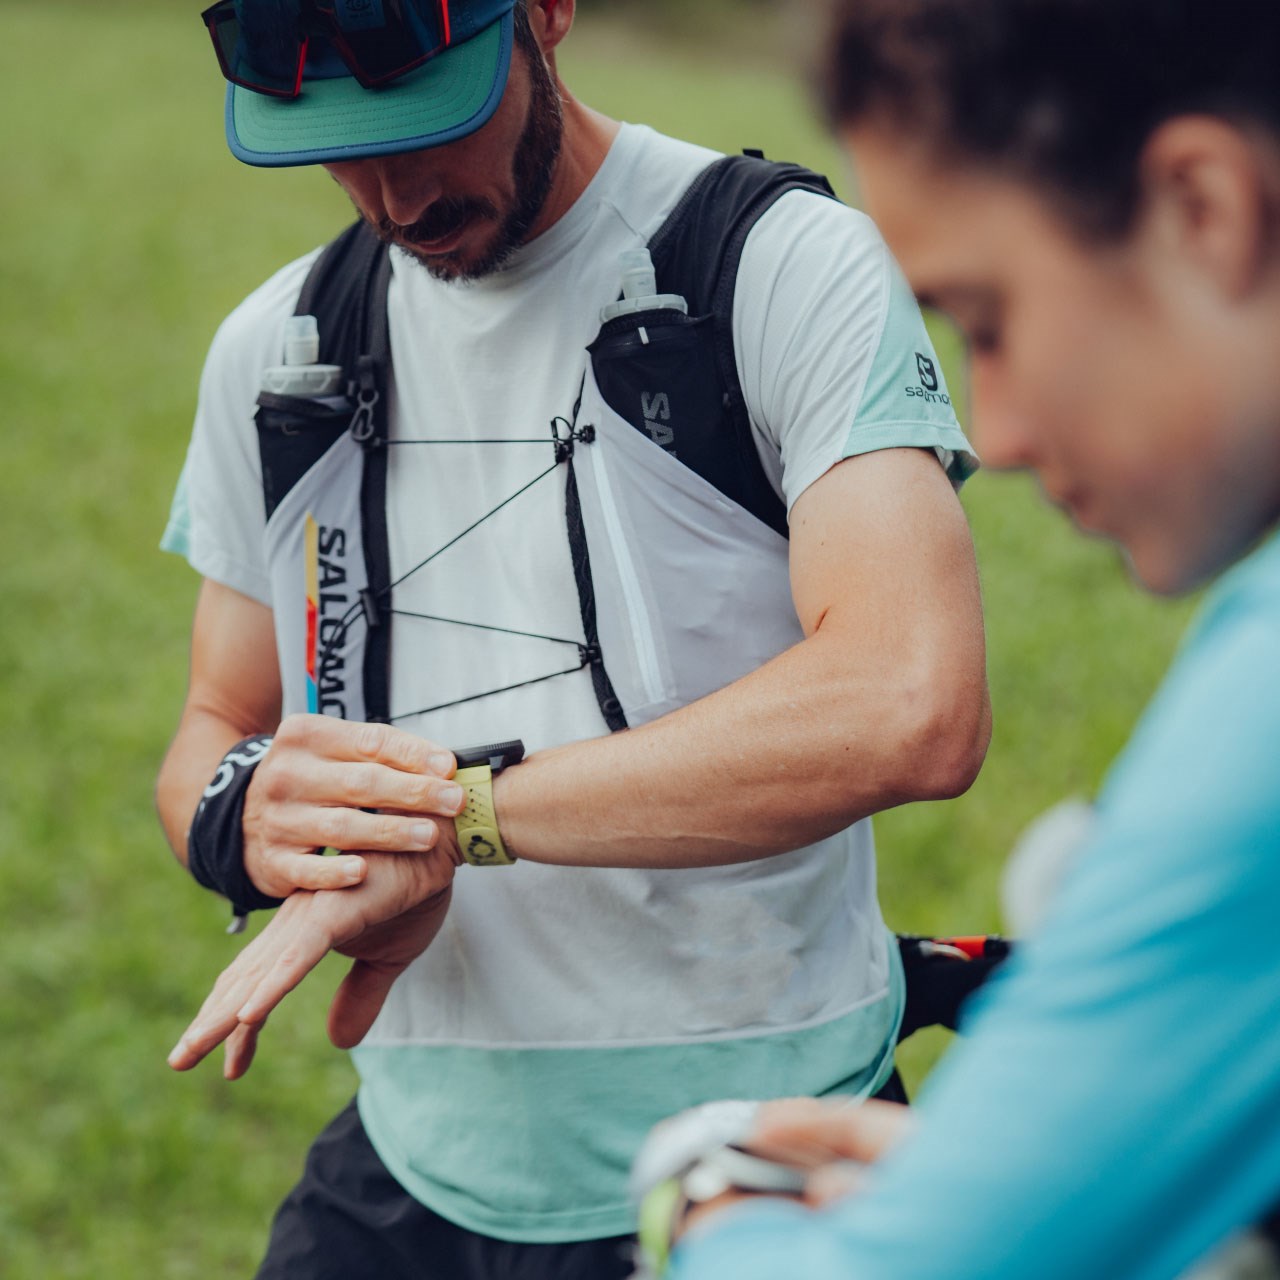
(974, 945)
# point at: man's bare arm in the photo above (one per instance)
(233, 691)
(884, 702)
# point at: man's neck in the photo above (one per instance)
(587, 137)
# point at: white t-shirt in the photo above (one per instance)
(772, 978)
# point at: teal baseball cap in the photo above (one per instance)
(306, 60)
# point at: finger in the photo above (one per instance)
(869, 1130)
(241, 1046)
(260, 976)
(344, 828)
(217, 1018)
(860, 1132)
(303, 801)
(358, 1001)
(347, 740)
(290, 863)
(795, 1131)
(307, 871)
(363, 784)
(291, 964)
(834, 1182)
(212, 1025)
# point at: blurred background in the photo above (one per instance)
(127, 232)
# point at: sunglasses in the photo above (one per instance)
(263, 46)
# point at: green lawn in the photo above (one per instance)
(127, 232)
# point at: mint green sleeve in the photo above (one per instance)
(905, 399)
(833, 355)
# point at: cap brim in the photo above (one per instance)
(337, 119)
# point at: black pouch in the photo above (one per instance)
(657, 370)
(294, 433)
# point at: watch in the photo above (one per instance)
(692, 1158)
(477, 824)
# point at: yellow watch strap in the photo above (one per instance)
(477, 824)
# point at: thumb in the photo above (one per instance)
(359, 1000)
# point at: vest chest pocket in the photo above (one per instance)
(294, 433)
(656, 370)
(692, 590)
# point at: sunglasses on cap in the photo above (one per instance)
(264, 45)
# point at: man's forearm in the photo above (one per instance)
(884, 702)
(788, 755)
(233, 692)
(201, 741)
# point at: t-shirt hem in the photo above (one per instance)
(909, 434)
(562, 1226)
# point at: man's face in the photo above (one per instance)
(462, 209)
(1101, 369)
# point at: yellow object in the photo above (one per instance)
(659, 1211)
(477, 824)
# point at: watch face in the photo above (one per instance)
(497, 755)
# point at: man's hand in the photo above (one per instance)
(385, 923)
(313, 788)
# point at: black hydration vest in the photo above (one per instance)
(696, 253)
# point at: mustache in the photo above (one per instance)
(442, 218)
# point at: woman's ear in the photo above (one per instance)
(1209, 199)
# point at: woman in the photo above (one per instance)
(1091, 189)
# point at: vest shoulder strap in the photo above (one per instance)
(696, 253)
(700, 244)
(346, 290)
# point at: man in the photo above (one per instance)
(693, 907)
(1091, 188)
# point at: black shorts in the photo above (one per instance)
(349, 1219)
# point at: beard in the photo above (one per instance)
(533, 168)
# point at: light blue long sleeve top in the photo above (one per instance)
(1114, 1110)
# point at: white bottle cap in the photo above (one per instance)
(639, 280)
(300, 375)
(640, 289)
(303, 380)
(301, 340)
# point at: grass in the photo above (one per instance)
(127, 233)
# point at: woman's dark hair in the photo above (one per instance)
(1060, 93)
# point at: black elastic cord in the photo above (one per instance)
(439, 551)
(215, 843)
(489, 693)
(483, 626)
(339, 632)
(542, 440)
(588, 649)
